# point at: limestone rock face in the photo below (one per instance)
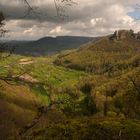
(122, 34)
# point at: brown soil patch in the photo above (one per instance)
(25, 61)
(28, 78)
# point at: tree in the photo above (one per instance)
(2, 18)
(3, 52)
(88, 103)
(2, 32)
(132, 96)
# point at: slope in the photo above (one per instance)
(103, 54)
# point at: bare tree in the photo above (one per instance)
(4, 54)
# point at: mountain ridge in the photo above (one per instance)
(48, 45)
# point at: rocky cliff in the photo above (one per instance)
(122, 34)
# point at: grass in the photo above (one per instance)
(84, 79)
(42, 69)
(45, 71)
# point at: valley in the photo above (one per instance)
(89, 92)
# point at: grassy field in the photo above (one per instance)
(22, 97)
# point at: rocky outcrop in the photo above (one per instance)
(122, 34)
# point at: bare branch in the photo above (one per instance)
(31, 11)
(60, 6)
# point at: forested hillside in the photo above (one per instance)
(114, 66)
(47, 45)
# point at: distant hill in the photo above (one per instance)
(99, 56)
(48, 45)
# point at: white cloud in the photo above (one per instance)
(97, 21)
(58, 31)
(28, 31)
(88, 18)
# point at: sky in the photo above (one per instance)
(85, 18)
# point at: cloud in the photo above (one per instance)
(59, 31)
(28, 31)
(98, 21)
(88, 18)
